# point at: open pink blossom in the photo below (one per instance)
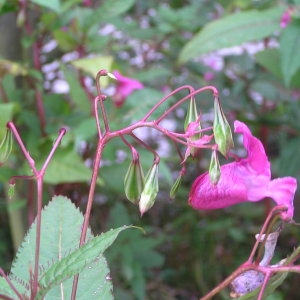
(247, 179)
(125, 87)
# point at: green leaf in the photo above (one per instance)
(65, 40)
(269, 59)
(77, 94)
(113, 8)
(93, 65)
(5, 289)
(232, 30)
(67, 166)
(140, 102)
(53, 4)
(6, 114)
(76, 261)
(289, 47)
(60, 234)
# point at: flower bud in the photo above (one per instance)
(5, 147)
(192, 123)
(175, 187)
(150, 189)
(11, 190)
(134, 181)
(222, 131)
(214, 168)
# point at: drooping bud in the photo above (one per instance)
(134, 181)
(192, 123)
(222, 130)
(214, 168)
(175, 187)
(5, 147)
(150, 189)
(11, 190)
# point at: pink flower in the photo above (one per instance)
(124, 88)
(209, 76)
(247, 179)
(285, 18)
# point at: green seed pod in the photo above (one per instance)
(214, 168)
(222, 130)
(192, 117)
(175, 187)
(134, 181)
(150, 190)
(5, 147)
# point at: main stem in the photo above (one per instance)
(85, 225)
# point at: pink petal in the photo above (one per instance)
(257, 158)
(282, 191)
(125, 87)
(248, 179)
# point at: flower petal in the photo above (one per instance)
(248, 179)
(257, 158)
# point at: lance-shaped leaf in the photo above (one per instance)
(134, 181)
(150, 189)
(233, 30)
(77, 261)
(222, 130)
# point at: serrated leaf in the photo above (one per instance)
(60, 234)
(232, 30)
(289, 47)
(5, 289)
(76, 261)
(53, 4)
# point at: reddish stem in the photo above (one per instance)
(39, 176)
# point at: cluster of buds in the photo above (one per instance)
(141, 190)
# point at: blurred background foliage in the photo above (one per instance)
(50, 52)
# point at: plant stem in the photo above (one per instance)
(99, 151)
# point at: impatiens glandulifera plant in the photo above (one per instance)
(40, 271)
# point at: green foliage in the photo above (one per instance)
(60, 257)
(289, 45)
(164, 44)
(55, 5)
(231, 31)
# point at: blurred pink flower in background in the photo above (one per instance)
(209, 76)
(247, 179)
(125, 87)
(285, 18)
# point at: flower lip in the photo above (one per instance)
(247, 179)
